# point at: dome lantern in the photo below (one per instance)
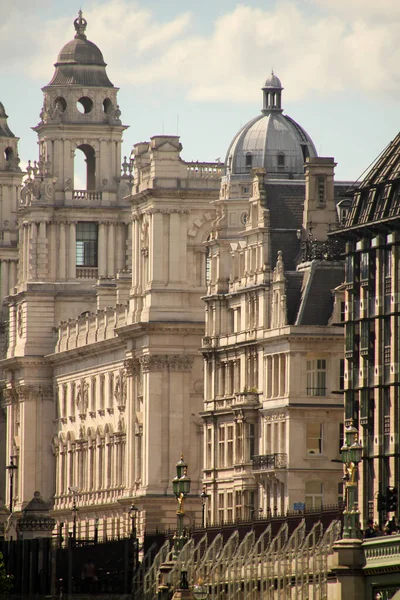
(272, 94)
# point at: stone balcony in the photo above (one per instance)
(246, 398)
(269, 462)
(89, 195)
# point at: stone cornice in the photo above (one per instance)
(180, 194)
(136, 330)
(23, 362)
(90, 350)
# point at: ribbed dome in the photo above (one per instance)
(82, 52)
(80, 62)
(271, 140)
(273, 81)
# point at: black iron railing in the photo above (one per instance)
(266, 462)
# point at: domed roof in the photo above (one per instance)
(80, 62)
(271, 140)
(5, 131)
(273, 81)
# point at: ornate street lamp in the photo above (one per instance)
(351, 456)
(181, 487)
(203, 496)
(133, 512)
(11, 468)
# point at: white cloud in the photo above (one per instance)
(315, 46)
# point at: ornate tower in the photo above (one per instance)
(70, 234)
(10, 185)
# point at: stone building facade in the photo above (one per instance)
(103, 381)
(273, 405)
(104, 384)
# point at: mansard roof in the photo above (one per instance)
(377, 198)
(316, 303)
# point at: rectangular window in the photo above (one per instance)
(313, 493)
(221, 446)
(221, 506)
(229, 506)
(251, 440)
(239, 442)
(316, 377)
(229, 445)
(86, 244)
(238, 504)
(342, 312)
(364, 266)
(209, 448)
(349, 268)
(314, 438)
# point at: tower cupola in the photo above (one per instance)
(272, 94)
(9, 159)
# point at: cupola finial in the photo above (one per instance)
(80, 25)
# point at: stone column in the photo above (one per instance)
(5, 278)
(32, 251)
(12, 276)
(132, 469)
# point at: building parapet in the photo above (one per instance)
(90, 328)
(204, 170)
(382, 552)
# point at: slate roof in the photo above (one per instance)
(317, 299)
(294, 282)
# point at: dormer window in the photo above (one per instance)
(281, 161)
(249, 160)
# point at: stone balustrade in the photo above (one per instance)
(380, 551)
(204, 170)
(90, 328)
(91, 195)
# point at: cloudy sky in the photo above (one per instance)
(196, 68)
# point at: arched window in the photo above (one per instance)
(8, 154)
(107, 106)
(84, 171)
(249, 160)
